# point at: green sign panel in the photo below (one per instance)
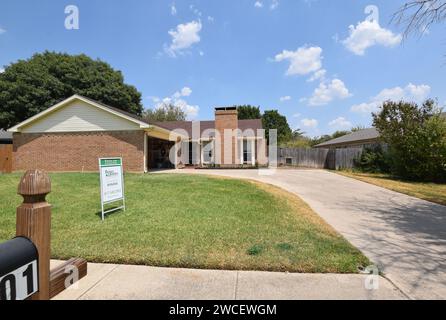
(110, 162)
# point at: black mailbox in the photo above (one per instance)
(18, 269)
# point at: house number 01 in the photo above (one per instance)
(19, 284)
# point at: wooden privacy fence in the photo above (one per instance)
(319, 158)
(5, 158)
(345, 158)
(307, 158)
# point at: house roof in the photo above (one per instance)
(120, 113)
(358, 136)
(169, 126)
(208, 125)
(4, 135)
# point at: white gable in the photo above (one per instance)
(79, 116)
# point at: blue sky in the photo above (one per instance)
(324, 64)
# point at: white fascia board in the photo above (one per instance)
(54, 108)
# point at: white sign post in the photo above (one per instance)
(112, 183)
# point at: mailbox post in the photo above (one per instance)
(25, 260)
(34, 223)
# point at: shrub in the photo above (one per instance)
(417, 139)
(373, 160)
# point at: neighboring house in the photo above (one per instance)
(361, 138)
(74, 133)
(5, 137)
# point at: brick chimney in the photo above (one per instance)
(225, 119)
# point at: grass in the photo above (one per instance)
(432, 192)
(187, 221)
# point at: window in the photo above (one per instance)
(289, 161)
(247, 151)
(208, 152)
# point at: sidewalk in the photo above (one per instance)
(115, 282)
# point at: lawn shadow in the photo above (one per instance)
(116, 211)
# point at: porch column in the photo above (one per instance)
(146, 157)
(200, 147)
(241, 151)
(253, 152)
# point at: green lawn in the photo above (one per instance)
(428, 191)
(187, 221)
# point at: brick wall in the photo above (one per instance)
(227, 119)
(77, 151)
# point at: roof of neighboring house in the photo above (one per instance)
(5, 135)
(206, 125)
(358, 136)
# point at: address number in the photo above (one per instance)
(20, 283)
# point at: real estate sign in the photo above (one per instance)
(112, 183)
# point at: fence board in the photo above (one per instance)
(318, 158)
(5, 158)
(345, 158)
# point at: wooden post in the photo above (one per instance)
(34, 223)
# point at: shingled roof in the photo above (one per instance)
(358, 136)
(206, 125)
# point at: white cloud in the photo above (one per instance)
(368, 34)
(340, 123)
(309, 123)
(185, 92)
(274, 4)
(173, 9)
(318, 75)
(286, 98)
(411, 93)
(296, 115)
(211, 19)
(258, 4)
(2, 30)
(177, 99)
(184, 37)
(303, 61)
(2, 70)
(195, 10)
(327, 92)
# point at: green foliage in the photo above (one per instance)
(416, 137)
(302, 142)
(255, 250)
(272, 119)
(284, 246)
(165, 113)
(28, 87)
(373, 160)
(247, 112)
(318, 140)
(357, 128)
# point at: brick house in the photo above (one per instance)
(74, 133)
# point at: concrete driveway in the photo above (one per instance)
(404, 236)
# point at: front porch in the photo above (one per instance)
(165, 149)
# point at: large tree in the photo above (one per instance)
(168, 112)
(246, 112)
(28, 87)
(272, 119)
(416, 136)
